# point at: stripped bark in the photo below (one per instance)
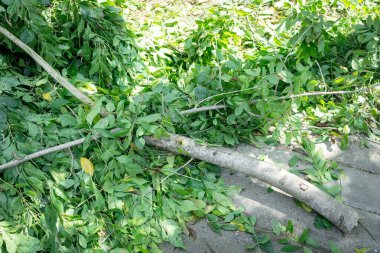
(342, 216)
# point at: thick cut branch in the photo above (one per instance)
(60, 79)
(344, 217)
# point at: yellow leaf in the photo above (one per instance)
(87, 166)
(362, 250)
(306, 207)
(239, 226)
(47, 96)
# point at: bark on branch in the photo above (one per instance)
(344, 217)
(325, 93)
(40, 153)
(60, 79)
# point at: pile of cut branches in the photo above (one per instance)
(83, 92)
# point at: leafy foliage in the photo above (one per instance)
(115, 193)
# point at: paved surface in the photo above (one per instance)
(361, 190)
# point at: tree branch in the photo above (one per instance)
(202, 109)
(40, 153)
(324, 93)
(57, 76)
(344, 217)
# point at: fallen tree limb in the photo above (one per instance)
(57, 76)
(342, 216)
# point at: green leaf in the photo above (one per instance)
(263, 239)
(10, 243)
(252, 220)
(308, 250)
(229, 217)
(67, 120)
(32, 129)
(290, 248)
(304, 236)
(267, 247)
(149, 118)
(27, 36)
(188, 206)
(229, 227)
(101, 124)
(94, 112)
(293, 161)
(171, 232)
(289, 226)
(344, 142)
(229, 139)
(333, 247)
(362, 250)
(272, 78)
(140, 143)
(276, 227)
(82, 241)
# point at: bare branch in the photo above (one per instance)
(325, 93)
(41, 153)
(202, 109)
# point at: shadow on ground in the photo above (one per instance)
(361, 187)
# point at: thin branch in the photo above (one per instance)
(321, 93)
(321, 73)
(176, 49)
(185, 112)
(70, 144)
(202, 109)
(324, 93)
(41, 153)
(55, 74)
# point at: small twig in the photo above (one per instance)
(181, 167)
(323, 78)
(253, 114)
(181, 175)
(176, 49)
(161, 181)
